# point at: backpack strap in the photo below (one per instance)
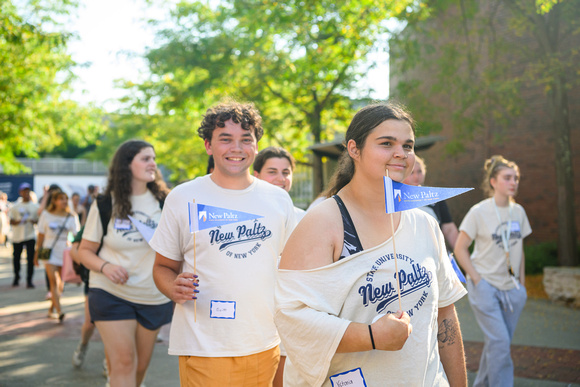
(105, 205)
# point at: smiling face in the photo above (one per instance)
(233, 149)
(143, 166)
(277, 171)
(389, 146)
(505, 182)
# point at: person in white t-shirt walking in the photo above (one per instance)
(222, 328)
(496, 268)
(23, 216)
(337, 306)
(124, 303)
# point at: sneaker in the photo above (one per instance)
(30, 286)
(79, 355)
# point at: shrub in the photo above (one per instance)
(540, 255)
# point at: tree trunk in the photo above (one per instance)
(567, 243)
(317, 174)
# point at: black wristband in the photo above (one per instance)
(372, 339)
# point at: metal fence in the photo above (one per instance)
(58, 166)
(301, 191)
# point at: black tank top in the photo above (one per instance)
(351, 244)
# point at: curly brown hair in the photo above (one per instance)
(120, 177)
(245, 114)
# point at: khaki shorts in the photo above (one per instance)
(252, 370)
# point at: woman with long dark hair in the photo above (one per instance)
(496, 268)
(337, 308)
(124, 302)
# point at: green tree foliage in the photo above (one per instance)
(297, 60)
(35, 71)
(471, 74)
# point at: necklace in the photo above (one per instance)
(505, 239)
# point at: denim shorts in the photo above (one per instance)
(104, 306)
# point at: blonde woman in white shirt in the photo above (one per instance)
(54, 226)
(496, 268)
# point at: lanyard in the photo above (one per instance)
(505, 238)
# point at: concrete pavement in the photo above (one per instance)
(36, 351)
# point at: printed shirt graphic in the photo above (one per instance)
(236, 263)
(49, 225)
(20, 210)
(358, 288)
(128, 248)
(488, 257)
(401, 197)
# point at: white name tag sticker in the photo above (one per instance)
(515, 227)
(352, 378)
(53, 225)
(222, 309)
(122, 224)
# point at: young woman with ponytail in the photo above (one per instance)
(496, 268)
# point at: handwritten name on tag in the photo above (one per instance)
(222, 309)
(122, 224)
(352, 378)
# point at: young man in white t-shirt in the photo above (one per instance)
(23, 216)
(222, 328)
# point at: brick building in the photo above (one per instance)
(528, 139)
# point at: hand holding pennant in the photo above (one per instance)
(202, 216)
(401, 197)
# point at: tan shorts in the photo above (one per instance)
(252, 370)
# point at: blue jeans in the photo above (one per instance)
(497, 312)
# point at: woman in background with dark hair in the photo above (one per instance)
(336, 301)
(124, 302)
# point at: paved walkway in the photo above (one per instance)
(36, 351)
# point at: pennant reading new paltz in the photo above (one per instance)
(202, 216)
(401, 197)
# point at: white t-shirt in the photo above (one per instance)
(299, 214)
(23, 231)
(50, 225)
(236, 265)
(314, 308)
(125, 246)
(483, 226)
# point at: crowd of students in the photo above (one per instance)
(290, 297)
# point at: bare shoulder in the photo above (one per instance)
(315, 238)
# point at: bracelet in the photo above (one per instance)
(107, 262)
(372, 339)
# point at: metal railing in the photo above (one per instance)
(59, 166)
